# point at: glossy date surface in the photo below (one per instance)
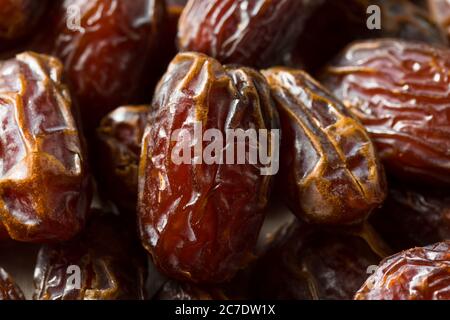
(8, 289)
(329, 169)
(421, 273)
(44, 183)
(399, 91)
(254, 33)
(200, 221)
(120, 134)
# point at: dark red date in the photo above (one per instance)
(329, 170)
(44, 184)
(399, 91)
(421, 273)
(8, 289)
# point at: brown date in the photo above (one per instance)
(312, 262)
(399, 91)
(200, 221)
(329, 170)
(108, 58)
(254, 33)
(413, 217)
(334, 24)
(120, 135)
(8, 289)
(421, 273)
(110, 261)
(44, 184)
(440, 11)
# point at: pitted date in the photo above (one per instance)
(200, 221)
(44, 184)
(413, 217)
(108, 57)
(106, 260)
(399, 90)
(329, 169)
(255, 33)
(311, 262)
(8, 289)
(440, 11)
(421, 273)
(120, 134)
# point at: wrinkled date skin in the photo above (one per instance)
(120, 134)
(253, 33)
(412, 217)
(108, 58)
(8, 289)
(44, 183)
(329, 170)
(200, 222)
(309, 262)
(112, 267)
(334, 24)
(421, 273)
(399, 91)
(440, 11)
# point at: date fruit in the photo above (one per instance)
(106, 259)
(120, 135)
(254, 33)
(440, 11)
(311, 262)
(412, 217)
(421, 273)
(200, 219)
(399, 91)
(8, 289)
(44, 183)
(108, 55)
(329, 169)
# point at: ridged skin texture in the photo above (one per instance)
(254, 33)
(200, 222)
(44, 184)
(120, 135)
(329, 169)
(108, 61)
(310, 262)
(8, 289)
(412, 217)
(421, 273)
(440, 11)
(110, 259)
(401, 93)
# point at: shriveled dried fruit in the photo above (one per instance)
(44, 185)
(107, 58)
(440, 11)
(200, 221)
(106, 257)
(399, 90)
(413, 217)
(328, 167)
(120, 134)
(255, 33)
(8, 289)
(309, 262)
(421, 273)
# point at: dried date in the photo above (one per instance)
(44, 183)
(107, 259)
(421, 273)
(399, 91)
(200, 221)
(310, 262)
(120, 134)
(329, 169)
(254, 33)
(8, 289)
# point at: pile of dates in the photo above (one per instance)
(118, 160)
